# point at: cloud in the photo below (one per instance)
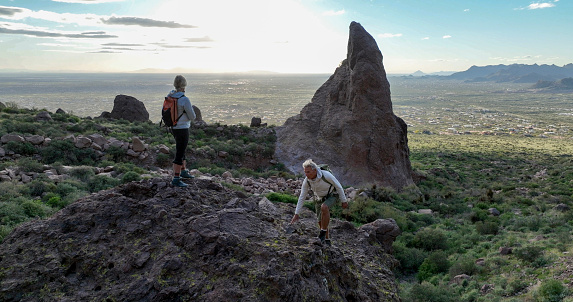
(446, 37)
(389, 35)
(52, 34)
(144, 22)
(466, 10)
(88, 1)
(539, 5)
(426, 38)
(122, 44)
(10, 11)
(173, 46)
(203, 39)
(334, 13)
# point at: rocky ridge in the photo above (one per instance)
(148, 241)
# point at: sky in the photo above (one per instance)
(288, 36)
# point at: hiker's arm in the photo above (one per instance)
(301, 197)
(337, 185)
(189, 110)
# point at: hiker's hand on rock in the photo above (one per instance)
(345, 205)
(294, 218)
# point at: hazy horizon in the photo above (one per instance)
(286, 36)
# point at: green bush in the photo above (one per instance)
(280, 197)
(66, 153)
(130, 176)
(102, 182)
(464, 265)
(38, 187)
(22, 148)
(4, 231)
(552, 291)
(35, 209)
(427, 292)
(12, 213)
(487, 227)
(436, 263)
(528, 253)
(116, 154)
(83, 173)
(55, 201)
(515, 286)
(430, 240)
(410, 258)
(28, 164)
(162, 160)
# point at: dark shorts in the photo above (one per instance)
(181, 140)
(330, 201)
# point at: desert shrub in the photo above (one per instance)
(478, 215)
(102, 182)
(127, 167)
(464, 265)
(4, 231)
(363, 210)
(528, 253)
(430, 240)
(383, 194)
(130, 176)
(23, 148)
(162, 160)
(12, 213)
(28, 164)
(65, 188)
(66, 153)
(280, 197)
(435, 263)
(410, 258)
(487, 227)
(38, 187)
(35, 208)
(515, 286)
(116, 154)
(552, 291)
(427, 292)
(21, 127)
(82, 173)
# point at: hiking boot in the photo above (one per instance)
(322, 236)
(178, 183)
(185, 174)
(328, 242)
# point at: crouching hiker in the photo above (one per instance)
(327, 192)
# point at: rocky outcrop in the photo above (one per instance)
(148, 241)
(128, 108)
(350, 123)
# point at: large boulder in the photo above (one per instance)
(129, 108)
(350, 123)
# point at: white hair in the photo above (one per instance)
(180, 82)
(310, 163)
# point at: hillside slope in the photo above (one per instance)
(148, 241)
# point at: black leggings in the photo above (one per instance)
(181, 140)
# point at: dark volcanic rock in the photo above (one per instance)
(148, 241)
(350, 123)
(129, 108)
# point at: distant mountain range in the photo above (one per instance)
(516, 73)
(563, 84)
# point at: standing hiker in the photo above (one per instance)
(181, 131)
(327, 192)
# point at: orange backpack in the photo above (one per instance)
(169, 112)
